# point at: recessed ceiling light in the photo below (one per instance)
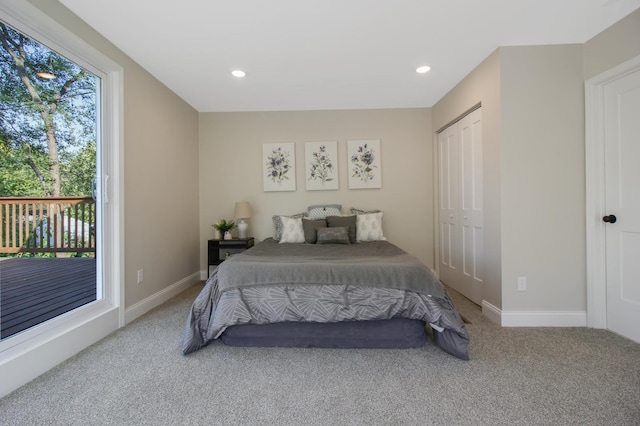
(423, 69)
(238, 73)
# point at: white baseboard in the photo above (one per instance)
(534, 318)
(544, 319)
(493, 313)
(144, 306)
(203, 274)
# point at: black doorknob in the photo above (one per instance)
(610, 219)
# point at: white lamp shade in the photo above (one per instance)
(243, 210)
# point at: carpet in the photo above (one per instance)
(527, 376)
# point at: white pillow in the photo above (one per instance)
(292, 230)
(277, 224)
(369, 227)
(319, 212)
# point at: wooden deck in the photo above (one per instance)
(34, 290)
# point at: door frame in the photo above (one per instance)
(595, 190)
(436, 185)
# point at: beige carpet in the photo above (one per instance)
(526, 376)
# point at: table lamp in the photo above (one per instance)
(242, 212)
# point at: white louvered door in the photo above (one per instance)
(460, 206)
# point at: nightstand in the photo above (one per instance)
(219, 250)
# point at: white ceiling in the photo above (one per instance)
(331, 54)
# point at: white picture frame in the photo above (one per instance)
(364, 164)
(321, 165)
(279, 166)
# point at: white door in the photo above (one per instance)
(622, 179)
(460, 206)
(448, 206)
(472, 242)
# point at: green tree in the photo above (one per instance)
(44, 121)
(16, 176)
(78, 170)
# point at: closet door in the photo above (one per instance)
(471, 223)
(449, 160)
(461, 210)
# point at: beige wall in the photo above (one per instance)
(483, 85)
(231, 169)
(533, 112)
(542, 178)
(613, 46)
(532, 109)
(161, 186)
(160, 172)
(533, 135)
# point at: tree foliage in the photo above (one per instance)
(78, 170)
(16, 176)
(47, 126)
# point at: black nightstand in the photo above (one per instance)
(219, 250)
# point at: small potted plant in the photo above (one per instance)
(224, 227)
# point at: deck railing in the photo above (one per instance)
(45, 225)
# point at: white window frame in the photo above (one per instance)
(29, 354)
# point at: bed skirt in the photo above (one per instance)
(391, 333)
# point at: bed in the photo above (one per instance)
(367, 294)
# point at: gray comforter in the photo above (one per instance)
(274, 282)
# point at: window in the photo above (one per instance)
(53, 341)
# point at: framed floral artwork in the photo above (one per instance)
(279, 166)
(364, 164)
(321, 165)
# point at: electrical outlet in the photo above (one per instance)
(140, 276)
(522, 283)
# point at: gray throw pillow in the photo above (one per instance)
(310, 229)
(348, 221)
(360, 211)
(335, 235)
